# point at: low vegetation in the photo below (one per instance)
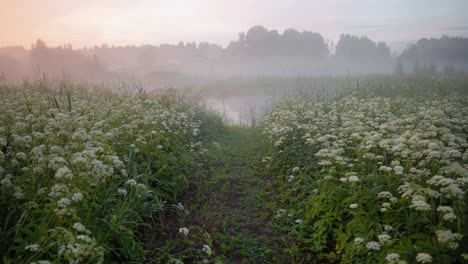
(370, 171)
(368, 178)
(83, 171)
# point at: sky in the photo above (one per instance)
(136, 22)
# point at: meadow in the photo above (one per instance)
(338, 170)
(374, 176)
(82, 171)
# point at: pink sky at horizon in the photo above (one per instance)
(125, 22)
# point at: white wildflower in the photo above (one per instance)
(63, 202)
(180, 207)
(419, 203)
(76, 197)
(449, 216)
(6, 182)
(18, 194)
(131, 182)
(386, 205)
(64, 173)
(79, 227)
(372, 245)
(398, 170)
(353, 179)
(41, 262)
(423, 258)
(21, 155)
(385, 169)
(207, 249)
(392, 258)
(444, 209)
(453, 191)
(84, 238)
(358, 240)
(446, 236)
(175, 261)
(184, 230)
(280, 213)
(122, 191)
(32, 205)
(384, 238)
(324, 163)
(388, 228)
(32, 247)
(385, 194)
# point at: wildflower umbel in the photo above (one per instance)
(184, 231)
(423, 258)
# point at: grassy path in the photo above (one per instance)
(228, 207)
(234, 211)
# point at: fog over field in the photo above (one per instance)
(176, 43)
(311, 40)
(220, 131)
(256, 52)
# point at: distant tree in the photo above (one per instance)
(449, 69)
(431, 69)
(58, 61)
(257, 40)
(263, 43)
(237, 48)
(9, 67)
(358, 55)
(399, 68)
(312, 45)
(440, 52)
(40, 45)
(291, 41)
(417, 69)
(40, 56)
(354, 47)
(147, 56)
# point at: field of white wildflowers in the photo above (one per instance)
(373, 179)
(81, 171)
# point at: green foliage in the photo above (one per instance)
(373, 178)
(81, 171)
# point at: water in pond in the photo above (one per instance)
(241, 109)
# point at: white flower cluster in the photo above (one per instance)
(392, 258)
(56, 154)
(423, 258)
(448, 238)
(184, 230)
(411, 153)
(207, 249)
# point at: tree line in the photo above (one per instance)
(259, 50)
